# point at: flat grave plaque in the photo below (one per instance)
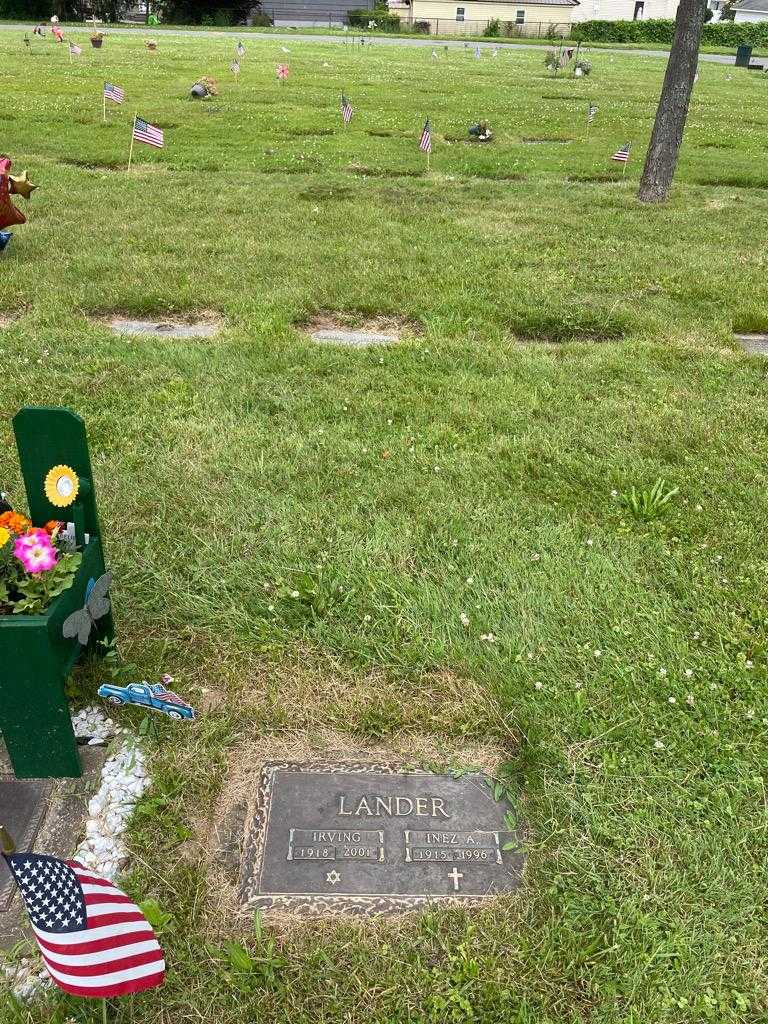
(23, 803)
(375, 838)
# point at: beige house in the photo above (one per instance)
(471, 17)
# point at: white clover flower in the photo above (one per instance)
(470, 580)
(750, 714)
(748, 664)
(614, 494)
(690, 700)
(672, 700)
(295, 593)
(590, 542)
(538, 685)
(464, 618)
(597, 654)
(662, 672)
(658, 745)
(488, 637)
(535, 557)
(688, 673)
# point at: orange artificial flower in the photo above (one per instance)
(15, 522)
(52, 525)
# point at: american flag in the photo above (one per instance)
(478, 55)
(114, 93)
(144, 132)
(565, 55)
(425, 142)
(94, 939)
(240, 50)
(622, 155)
(593, 108)
(234, 67)
(346, 109)
(75, 50)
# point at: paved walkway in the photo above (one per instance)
(340, 37)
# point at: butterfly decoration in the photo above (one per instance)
(80, 623)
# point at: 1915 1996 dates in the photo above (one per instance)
(448, 856)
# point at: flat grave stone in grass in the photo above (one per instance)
(367, 839)
(755, 344)
(164, 328)
(23, 804)
(45, 815)
(352, 339)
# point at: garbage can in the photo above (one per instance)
(743, 56)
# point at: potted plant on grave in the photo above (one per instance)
(97, 38)
(151, 44)
(36, 564)
(53, 592)
(582, 68)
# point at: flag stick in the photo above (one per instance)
(133, 129)
(104, 1011)
(104, 103)
(428, 156)
(69, 47)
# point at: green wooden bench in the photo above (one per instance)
(35, 657)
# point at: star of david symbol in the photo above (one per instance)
(333, 877)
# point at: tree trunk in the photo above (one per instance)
(672, 111)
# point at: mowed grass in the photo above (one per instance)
(561, 343)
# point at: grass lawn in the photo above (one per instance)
(561, 343)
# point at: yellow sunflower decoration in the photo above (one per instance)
(61, 486)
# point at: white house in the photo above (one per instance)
(751, 10)
(625, 10)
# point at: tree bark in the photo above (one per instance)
(672, 111)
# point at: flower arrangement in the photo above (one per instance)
(36, 565)
(582, 67)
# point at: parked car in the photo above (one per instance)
(149, 695)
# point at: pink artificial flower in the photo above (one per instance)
(36, 553)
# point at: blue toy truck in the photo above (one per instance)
(148, 695)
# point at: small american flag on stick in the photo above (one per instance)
(234, 67)
(114, 93)
(621, 156)
(346, 109)
(591, 113)
(75, 50)
(240, 50)
(145, 132)
(425, 142)
(94, 939)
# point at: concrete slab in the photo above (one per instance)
(755, 344)
(353, 339)
(164, 328)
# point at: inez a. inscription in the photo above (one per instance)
(373, 839)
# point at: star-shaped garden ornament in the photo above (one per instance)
(21, 185)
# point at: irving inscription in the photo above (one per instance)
(363, 839)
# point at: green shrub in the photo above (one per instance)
(660, 31)
(359, 17)
(493, 28)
